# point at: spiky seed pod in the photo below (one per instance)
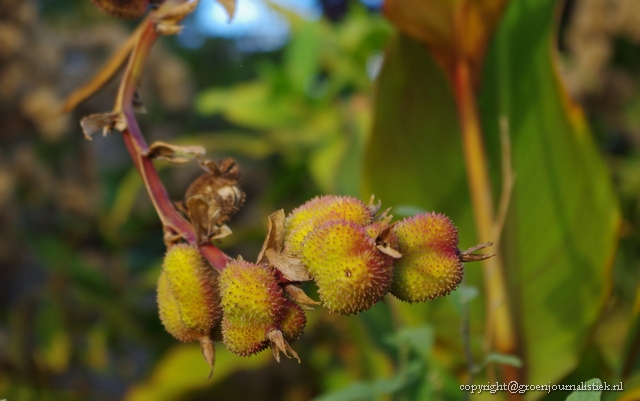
(351, 273)
(188, 301)
(293, 321)
(250, 293)
(244, 338)
(129, 9)
(321, 210)
(430, 266)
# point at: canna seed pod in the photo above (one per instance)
(318, 211)
(250, 292)
(352, 274)
(293, 321)
(244, 338)
(188, 301)
(430, 266)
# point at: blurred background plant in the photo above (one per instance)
(288, 89)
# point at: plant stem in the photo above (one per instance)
(501, 326)
(174, 224)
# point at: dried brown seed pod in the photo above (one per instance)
(213, 197)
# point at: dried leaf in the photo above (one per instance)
(229, 7)
(299, 296)
(106, 72)
(168, 29)
(203, 216)
(223, 232)
(167, 24)
(174, 153)
(275, 235)
(374, 207)
(208, 352)
(279, 344)
(291, 267)
(103, 122)
(385, 237)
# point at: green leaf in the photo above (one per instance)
(253, 105)
(560, 233)
(584, 395)
(377, 389)
(182, 370)
(302, 57)
(503, 359)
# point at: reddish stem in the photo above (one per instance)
(174, 223)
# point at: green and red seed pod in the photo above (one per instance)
(318, 211)
(250, 292)
(351, 273)
(430, 266)
(293, 321)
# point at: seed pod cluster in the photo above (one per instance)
(356, 257)
(353, 253)
(254, 306)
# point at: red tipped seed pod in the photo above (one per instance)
(293, 321)
(129, 9)
(252, 304)
(321, 210)
(352, 274)
(250, 292)
(430, 266)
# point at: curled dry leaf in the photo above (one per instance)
(275, 235)
(299, 296)
(167, 23)
(385, 237)
(291, 267)
(103, 122)
(174, 153)
(279, 344)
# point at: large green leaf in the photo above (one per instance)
(560, 233)
(182, 370)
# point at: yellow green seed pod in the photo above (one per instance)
(250, 292)
(430, 266)
(293, 321)
(351, 273)
(244, 338)
(321, 210)
(188, 300)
